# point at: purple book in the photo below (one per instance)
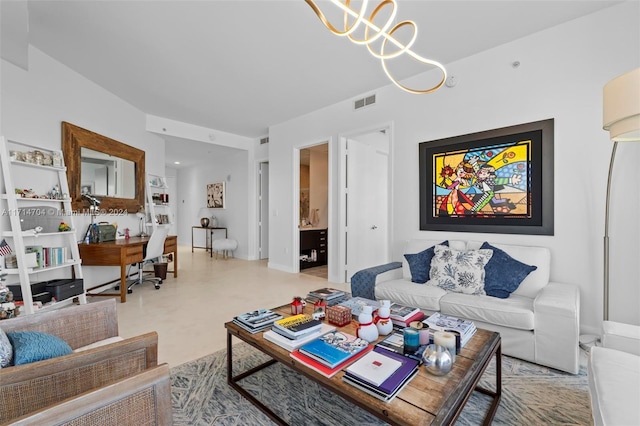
(396, 379)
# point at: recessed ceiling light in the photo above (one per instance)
(176, 162)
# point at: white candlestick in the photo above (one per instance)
(448, 340)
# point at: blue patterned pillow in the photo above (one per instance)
(459, 271)
(32, 346)
(503, 273)
(420, 263)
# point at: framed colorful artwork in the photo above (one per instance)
(496, 181)
(216, 195)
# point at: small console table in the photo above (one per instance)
(208, 236)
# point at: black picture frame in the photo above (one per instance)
(507, 188)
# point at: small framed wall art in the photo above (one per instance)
(216, 195)
(496, 181)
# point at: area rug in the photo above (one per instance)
(531, 395)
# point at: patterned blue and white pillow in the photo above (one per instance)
(32, 346)
(6, 351)
(459, 271)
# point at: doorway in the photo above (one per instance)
(314, 210)
(365, 230)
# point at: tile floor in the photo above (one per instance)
(189, 312)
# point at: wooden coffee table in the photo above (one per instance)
(426, 400)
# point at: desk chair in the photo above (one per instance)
(153, 251)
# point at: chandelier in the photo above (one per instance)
(353, 20)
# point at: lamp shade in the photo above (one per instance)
(621, 107)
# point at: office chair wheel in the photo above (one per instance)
(157, 286)
(129, 291)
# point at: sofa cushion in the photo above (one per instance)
(460, 271)
(32, 346)
(420, 263)
(514, 312)
(614, 386)
(503, 273)
(530, 255)
(406, 293)
(418, 245)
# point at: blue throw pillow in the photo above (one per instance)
(420, 263)
(503, 273)
(32, 346)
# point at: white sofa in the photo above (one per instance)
(614, 376)
(538, 322)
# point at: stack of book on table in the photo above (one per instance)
(402, 315)
(257, 321)
(331, 352)
(463, 329)
(394, 342)
(331, 295)
(293, 332)
(356, 304)
(381, 373)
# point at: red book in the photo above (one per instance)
(323, 369)
(418, 316)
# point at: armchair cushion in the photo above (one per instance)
(32, 346)
(503, 273)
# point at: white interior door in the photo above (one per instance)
(367, 207)
(263, 211)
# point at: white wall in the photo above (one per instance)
(35, 102)
(233, 169)
(561, 76)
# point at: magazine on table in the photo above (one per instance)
(440, 322)
(323, 369)
(296, 325)
(374, 367)
(326, 293)
(258, 318)
(334, 348)
(402, 312)
(292, 344)
(356, 304)
(252, 330)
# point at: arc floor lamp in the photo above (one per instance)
(621, 117)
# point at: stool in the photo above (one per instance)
(224, 245)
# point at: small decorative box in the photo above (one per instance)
(338, 315)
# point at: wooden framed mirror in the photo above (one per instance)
(120, 183)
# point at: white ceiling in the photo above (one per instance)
(240, 66)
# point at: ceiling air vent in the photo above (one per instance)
(264, 140)
(361, 103)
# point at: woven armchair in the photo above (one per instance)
(31, 387)
(142, 399)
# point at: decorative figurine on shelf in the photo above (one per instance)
(8, 308)
(382, 320)
(296, 306)
(366, 330)
(63, 227)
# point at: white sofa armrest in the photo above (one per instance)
(623, 337)
(557, 326)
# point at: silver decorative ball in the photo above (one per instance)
(437, 360)
(204, 222)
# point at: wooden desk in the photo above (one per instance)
(122, 253)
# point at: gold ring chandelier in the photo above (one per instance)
(372, 33)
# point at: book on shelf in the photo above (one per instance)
(390, 387)
(356, 304)
(374, 367)
(401, 312)
(418, 316)
(327, 293)
(296, 325)
(465, 329)
(261, 317)
(323, 369)
(333, 348)
(293, 344)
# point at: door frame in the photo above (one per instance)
(341, 267)
(296, 201)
